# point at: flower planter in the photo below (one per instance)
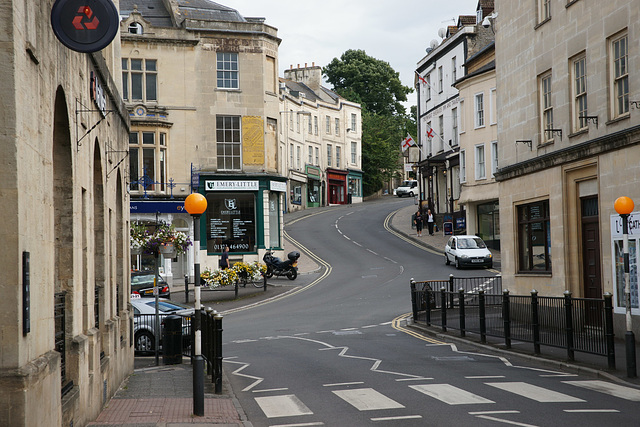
(136, 250)
(168, 250)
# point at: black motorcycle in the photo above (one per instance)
(277, 267)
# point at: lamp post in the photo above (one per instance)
(624, 207)
(196, 204)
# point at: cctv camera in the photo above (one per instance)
(486, 23)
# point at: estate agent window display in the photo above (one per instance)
(618, 264)
(231, 221)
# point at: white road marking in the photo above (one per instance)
(356, 243)
(493, 412)
(299, 425)
(533, 392)
(375, 253)
(268, 390)
(450, 395)
(369, 326)
(406, 417)
(591, 410)
(282, 406)
(608, 388)
(505, 421)
(348, 329)
(486, 377)
(367, 399)
(342, 384)
(414, 379)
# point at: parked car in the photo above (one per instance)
(467, 251)
(142, 284)
(144, 321)
(407, 188)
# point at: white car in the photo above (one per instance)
(467, 251)
(144, 321)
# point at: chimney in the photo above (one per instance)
(310, 76)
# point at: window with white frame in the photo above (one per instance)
(440, 77)
(310, 126)
(454, 68)
(139, 79)
(329, 155)
(298, 122)
(493, 109)
(298, 156)
(228, 142)
(428, 97)
(327, 126)
(310, 155)
(544, 10)
(315, 125)
(463, 165)
(620, 75)
(354, 122)
(430, 138)
(454, 127)
(135, 28)
(338, 152)
(441, 133)
(291, 120)
(494, 157)
(479, 110)
(579, 92)
(317, 156)
(354, 152)
(461, 107)
(480, 162)
(290, 155)
(546, 113)
(227, 70)
(337, 126)
(148, 161)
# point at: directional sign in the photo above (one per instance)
(84, 25)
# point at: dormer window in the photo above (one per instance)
(135, 28)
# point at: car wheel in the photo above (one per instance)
(292, 274)
(144, 342)
(446, 259)
(410, 193)
(457, 263)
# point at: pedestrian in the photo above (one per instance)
(224, 259)
(418, 220)
(430, 221)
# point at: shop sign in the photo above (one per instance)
(156, 207)
(231, 185)
(98, 95)
(278, 186)
(231, 222)
(85, 25)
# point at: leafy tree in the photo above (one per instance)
(377, 88)
(373, 83)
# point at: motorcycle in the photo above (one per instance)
(277, 267)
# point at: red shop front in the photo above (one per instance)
(337, 186)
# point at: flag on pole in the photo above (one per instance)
(422, 79)
(407, 142)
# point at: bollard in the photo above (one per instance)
(217, 369)
(568, 316)
(506, 315)
(414, 307)
(186, 288)
(462, 318)
(483, 316)
(534, 321)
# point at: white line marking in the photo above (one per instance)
(386, 323)
(301, 334)
(487, 377)
(449, 394)
(367, 399)
(369, 250)
(369, 326)
(406, 417)
(493, 412)
(414, 379)
(356, 243)
(346, 237)
(590, 410)
(299, 425)
(282, 406)
(243, 341)
(506, 421)
(608, 388)
(343, 384)
(534, 392)
(348, 329)
(270, 390)
(325, 332)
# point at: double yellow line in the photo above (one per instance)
(396, 324)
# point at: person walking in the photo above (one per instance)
(224, 259)
(419, 222)
(430, 221)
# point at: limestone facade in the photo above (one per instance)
(568, 133)
(65, 345)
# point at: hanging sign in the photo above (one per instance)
(84, 25)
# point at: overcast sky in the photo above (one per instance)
(396, 31)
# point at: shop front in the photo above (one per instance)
(243, 214)
(314, 186)
(336, 186)
(354, 181)
(297, 188)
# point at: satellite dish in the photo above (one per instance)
(442, 33)
(434, 44)
(428, 50)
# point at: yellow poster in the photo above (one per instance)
(252, 140)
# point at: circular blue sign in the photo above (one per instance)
(84, 25)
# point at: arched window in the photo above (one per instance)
(135, 28)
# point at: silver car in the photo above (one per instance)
(144, 321)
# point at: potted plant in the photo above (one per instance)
(219, 278)
(164, 239)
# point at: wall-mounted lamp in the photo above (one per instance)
(635, 104)
(525, 141)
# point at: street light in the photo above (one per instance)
(196, 204)
(624, 206)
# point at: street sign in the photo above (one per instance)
(84, 25)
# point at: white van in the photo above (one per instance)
(407, 188)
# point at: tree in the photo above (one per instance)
(377, 88)
(371, 82)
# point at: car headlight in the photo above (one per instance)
(488, 256)
(464, 256)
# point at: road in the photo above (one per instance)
(335, 351)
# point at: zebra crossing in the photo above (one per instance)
(370, 400)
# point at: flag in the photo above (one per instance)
(430, 133)
(422, 79)
(407, 142)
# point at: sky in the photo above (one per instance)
(397, 32)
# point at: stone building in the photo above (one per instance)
(65, 343)
(200, 82)
(320, 142)
(568, 133)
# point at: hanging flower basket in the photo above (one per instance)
(153, 239)
(136, 250)
(168, 250)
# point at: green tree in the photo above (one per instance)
(369, 81)
(377, 88)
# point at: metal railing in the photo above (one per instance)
(575, 324)
(60, 339)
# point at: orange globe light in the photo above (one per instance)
(195, 204)
(623, 205)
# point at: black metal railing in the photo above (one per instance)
(575, 324)
(60, 339)
(212, 346)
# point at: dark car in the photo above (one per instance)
(142, 284)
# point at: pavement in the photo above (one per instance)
(161, 396)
